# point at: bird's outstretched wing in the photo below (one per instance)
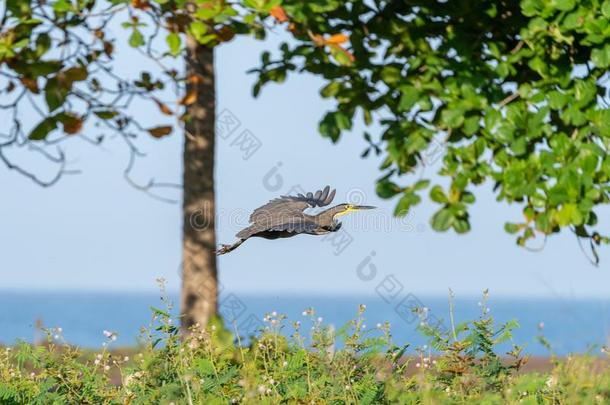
(294, 224)
(286, 206)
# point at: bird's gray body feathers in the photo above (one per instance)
(285, 217)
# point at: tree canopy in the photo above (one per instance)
(514, 91)
(57, 59)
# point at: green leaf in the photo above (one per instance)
(62, 6)
(75, 74)
(198, 29)
(452, 117)
(511, 228)
(44, 68)
(330, 90)
(461, 225)
(543, 222)
(55, 94)
(43, 129)
(106, 114)
(573, 115)
(531, 8)
(568, 214)
(390, 75)
(421, 184)
(408, 98)
(160, 312)
(557, 99)
(438, 195)
(136, 39)
(606, 8)
(471, 125)
(408, 200)
(174, 42)
(565, 5)
(387, 189)
(328, 127)
(537, 64)
(341, 55)
(442, 220)
(344, 122)
(601, 57)
(467, 197)
(43, 44)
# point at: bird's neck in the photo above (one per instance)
(328, 216)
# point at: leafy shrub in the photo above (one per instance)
(351, 365)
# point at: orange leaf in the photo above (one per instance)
(279, 14)
(336, 39)
(164, 108)
(190, 98)
(108, 48)
(30, 84)
(159, 132)
(72, 124)
(225, 34)
(142, 4)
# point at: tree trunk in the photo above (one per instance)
(199, 275)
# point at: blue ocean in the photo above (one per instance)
(569, 325)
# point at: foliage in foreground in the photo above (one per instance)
(461, 366)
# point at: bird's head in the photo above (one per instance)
(343, 209)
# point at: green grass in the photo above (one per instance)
(212, 366)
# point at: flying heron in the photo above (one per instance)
(285, 217)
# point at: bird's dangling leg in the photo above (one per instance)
(229, 248)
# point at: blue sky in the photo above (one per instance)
(94, 232)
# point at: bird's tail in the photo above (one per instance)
(229, 248)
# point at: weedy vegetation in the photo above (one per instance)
(298, 363)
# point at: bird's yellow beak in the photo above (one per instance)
(353, 208)
(360, 207)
